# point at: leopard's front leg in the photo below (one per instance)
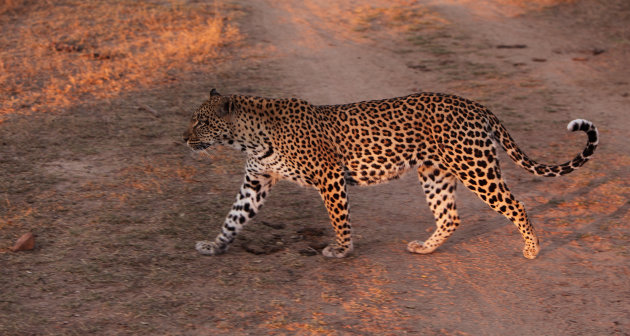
(333, 192)
(249, 199)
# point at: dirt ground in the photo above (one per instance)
(116, 201)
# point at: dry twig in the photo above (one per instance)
(143, 107)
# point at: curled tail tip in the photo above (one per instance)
(580, 125)
(585, 126)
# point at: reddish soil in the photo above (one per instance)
(116, 202)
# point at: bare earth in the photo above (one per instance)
(116, 202)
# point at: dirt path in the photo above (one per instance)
(116, 202)
(477, 283)
(308, 49)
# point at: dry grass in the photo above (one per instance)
(508, 8)
(52, 56)
(380, 20)
(12, 213)
(533, 4)
(399, 16)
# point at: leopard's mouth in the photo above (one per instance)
(199, 146)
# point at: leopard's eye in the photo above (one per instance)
(200, 122)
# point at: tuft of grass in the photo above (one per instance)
(10, 213)
(73, 51)
(403, 17)
(532, 5)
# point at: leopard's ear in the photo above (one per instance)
(224, 109)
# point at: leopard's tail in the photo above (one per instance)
(539, 169)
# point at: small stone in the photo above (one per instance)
(309, 251)
(277, 226)
(25, 243)
(318, 245)
(511, 46)
(598, 51)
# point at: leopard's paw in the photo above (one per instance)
(209, 248)
(530, 252)
(336, 251)
(418, 246)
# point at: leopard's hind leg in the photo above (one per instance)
(484, 179)
(439, 188)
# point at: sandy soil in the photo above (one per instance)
(117, 202)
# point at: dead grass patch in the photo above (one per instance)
(55, 55)
(11, 213)
(399, 16)
(533, 5)
(152, 178)
(382, 20)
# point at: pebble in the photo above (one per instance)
(25, 243)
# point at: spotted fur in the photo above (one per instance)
(446, 137)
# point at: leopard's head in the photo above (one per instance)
(210, 122)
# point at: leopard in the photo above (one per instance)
(446, 138)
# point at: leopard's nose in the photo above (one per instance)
(186, 136)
